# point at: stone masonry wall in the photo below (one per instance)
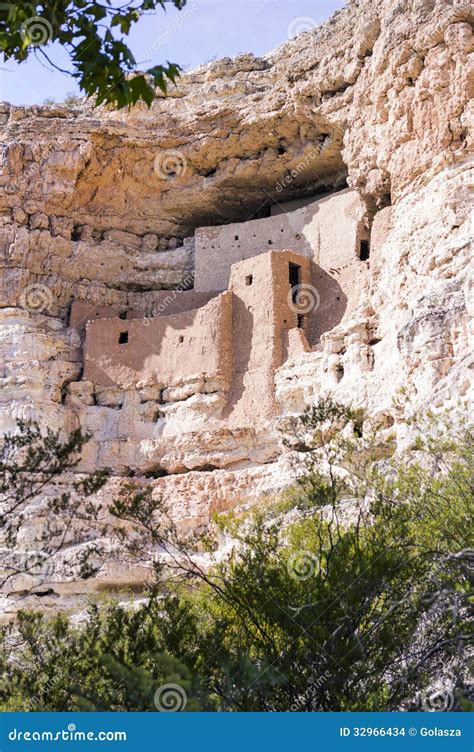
(263, 313)
(161, 352)
(327, 230)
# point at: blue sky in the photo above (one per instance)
(206, 29)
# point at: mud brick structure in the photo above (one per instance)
(252, 306)
(236, 341)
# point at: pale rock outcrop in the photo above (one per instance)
(101, 206)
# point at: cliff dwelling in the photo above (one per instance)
(253, 305)
(179, 281)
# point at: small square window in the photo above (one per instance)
(249, 279)
(180, 339)
(123, 338)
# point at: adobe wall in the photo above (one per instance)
(237, 340)
(287, 206)
(82, 312)
(328, 231)
(263, 314)
(161, 303)
(169, 302)
(165, 351)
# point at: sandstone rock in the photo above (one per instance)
(82, 391)
(110, 396)
(149, 241)
(376, 99)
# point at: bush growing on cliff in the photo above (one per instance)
(116, 661)
(31, 461)
(350, 593)
(353, 595)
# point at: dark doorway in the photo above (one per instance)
(364, 250)
(123, 338)
(294, 277)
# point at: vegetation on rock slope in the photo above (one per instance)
(350, 592)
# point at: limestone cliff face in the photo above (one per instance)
(101, 207)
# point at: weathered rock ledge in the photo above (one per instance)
(101, 207)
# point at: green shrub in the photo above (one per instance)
(348, 593)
